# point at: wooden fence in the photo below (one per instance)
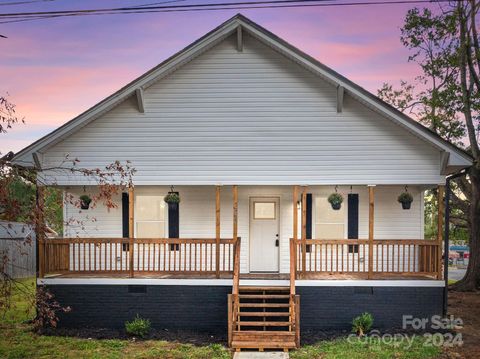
(17, 250)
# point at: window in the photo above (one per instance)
(264, 210)
(353, 248)
(149, 216)
(329, 223)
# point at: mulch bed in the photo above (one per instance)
(180, 336)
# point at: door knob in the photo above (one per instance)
(277, 242)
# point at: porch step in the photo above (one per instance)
(264, 314)
(264, 305)
(260, 288)
(264, 296)
(263, 340)
(262, 333)
(267, 344)
(263, 324)
(267, 308)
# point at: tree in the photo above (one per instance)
(18, 202)
(8, 115)
(445, 98)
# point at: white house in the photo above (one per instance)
(254, 135)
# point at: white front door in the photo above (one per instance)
(264, 234)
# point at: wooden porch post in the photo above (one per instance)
(293, 243)
(236, 258)
(217, 231)
(131, 251)
(371, 223)
(235, 212)
(40, 231)
(441, 191)
(304, 230)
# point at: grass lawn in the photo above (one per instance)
(341, 348)
(18, 341)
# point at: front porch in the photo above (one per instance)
(261, 305)
(197, 258)
(309, 259)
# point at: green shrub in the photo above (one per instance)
(362, 324)
(138, 327)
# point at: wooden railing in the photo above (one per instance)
(192, 256)
(388, 257)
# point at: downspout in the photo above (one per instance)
(447, 236)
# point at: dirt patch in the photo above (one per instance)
(467, 307)
(180, 336)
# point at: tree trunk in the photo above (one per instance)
(471, 281)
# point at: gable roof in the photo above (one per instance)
(454, 157)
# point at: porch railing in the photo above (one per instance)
(400, 257)
(188, 256)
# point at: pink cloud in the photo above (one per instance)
(51, 96)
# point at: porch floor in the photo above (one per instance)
(258, 276)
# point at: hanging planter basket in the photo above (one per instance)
(85, 201)
(172, 198)
(335, 200)
(405, 199)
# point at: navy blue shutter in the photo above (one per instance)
(353, 221)
(309, 216)
(353, 216)
(125, 229)
(174, 223)
(125, 222)
(309, 220)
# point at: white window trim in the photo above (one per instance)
(165, 218)
(345, 215)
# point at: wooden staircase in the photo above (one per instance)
(263, 318)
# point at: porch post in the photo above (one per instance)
(371, 223)
(441, 191)
(304, 230)
(236, 257)
(293, 246)
(217, 231)
(235, 212)
(40, 231)
(131, 248)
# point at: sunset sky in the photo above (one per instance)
(55, 69)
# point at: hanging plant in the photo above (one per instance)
(405, 199)
(172, 197)
(85, 201)
(335, 200)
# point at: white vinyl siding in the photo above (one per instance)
(251, 117)
(197, 214)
